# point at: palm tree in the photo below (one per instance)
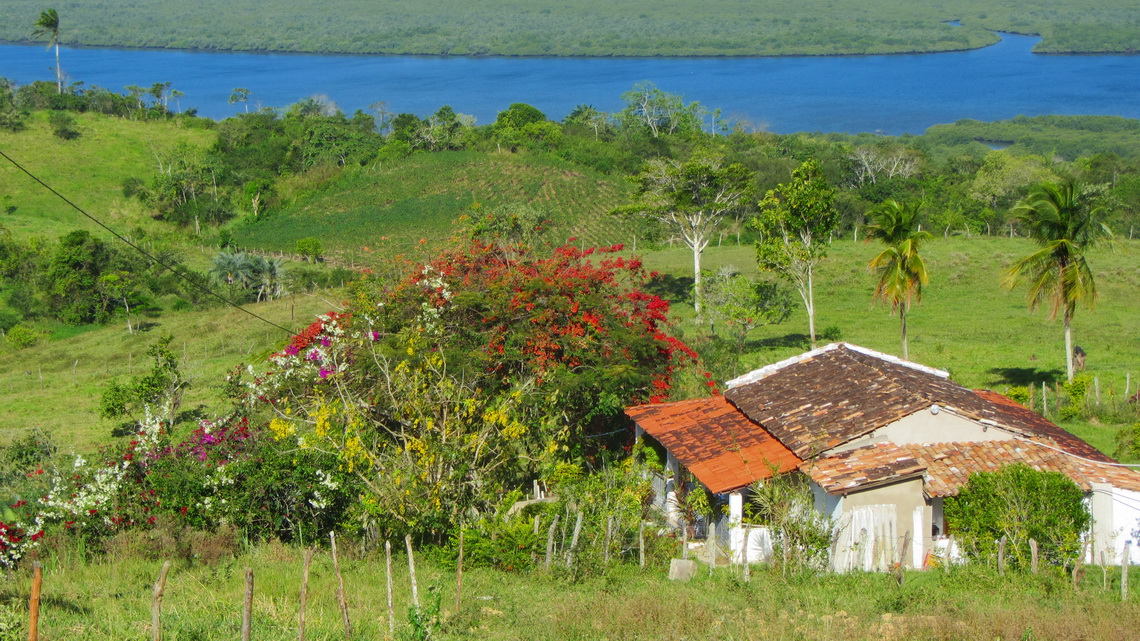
(48, 25)
(900, 267)
(1063, 222)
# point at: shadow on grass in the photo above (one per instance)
(1024, 376)
(799, 341)
(670, 287)
(59, 603)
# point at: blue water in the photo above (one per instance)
(889, 94)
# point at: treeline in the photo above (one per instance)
(261, 162)
(586, 28)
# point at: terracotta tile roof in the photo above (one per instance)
(862, 468)
(713, 440)
(949, 465)
(827, 397)
(1009, 413)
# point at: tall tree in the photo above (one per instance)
(48, 25)
(1064, 222)
(795, 224)
(691, 198)
(900, 267)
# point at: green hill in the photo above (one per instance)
(89, 170)
(393, 204)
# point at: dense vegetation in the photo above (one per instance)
(471, 344)
(587, 28)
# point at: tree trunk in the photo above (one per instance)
(1069, 344)
(58, 69)
(697, 281)
(811, 309)
(902, 321)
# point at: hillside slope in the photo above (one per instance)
(393, 204)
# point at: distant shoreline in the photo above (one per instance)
(220, 50)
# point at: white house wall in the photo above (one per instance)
(926, 426)
(1116, 520)
(875, 526)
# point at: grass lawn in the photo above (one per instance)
(111, 598)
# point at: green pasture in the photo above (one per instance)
(88, 170)
(56, 385)
(388, 206)
(585, 27)
(111, 599)
(967, 323)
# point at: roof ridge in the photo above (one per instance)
(768, 370)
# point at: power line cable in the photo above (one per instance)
(142, 251)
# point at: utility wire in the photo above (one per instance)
(143, 251)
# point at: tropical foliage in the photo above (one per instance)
(795, 225)
(478, 371)
(1063, 221)
(900, 267)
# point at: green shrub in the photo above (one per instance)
(1019, 503)
(1019, 394)
(1128, 443)
(63, 125)
(22, 336)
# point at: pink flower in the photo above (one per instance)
(292, 350)
(314, 355)
(324, 373)
(375, 336)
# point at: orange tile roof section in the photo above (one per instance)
(949, 465)
(722, 447)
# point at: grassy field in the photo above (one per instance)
(56, 385)
(967, 324)
(110, 599)
(388, 206)
(89, 170)
(587, 27)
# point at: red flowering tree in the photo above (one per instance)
(474, 372)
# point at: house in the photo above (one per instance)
(883, 442)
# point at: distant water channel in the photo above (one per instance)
(890, 94)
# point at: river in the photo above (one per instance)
(891, 94)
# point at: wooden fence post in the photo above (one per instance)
(34, 602)
(304, 594)
(412, 570)
(710, 543)
(1125, 563)
(641, 544)
(1001, 556)
(391, 605)
(340, 597)
(550, 542)
(574, 540)
(156, 603)
(247, 607)
(1044, 400)
(1103, 572)
(1079, 567)
(684, 540)
(1033, 555)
